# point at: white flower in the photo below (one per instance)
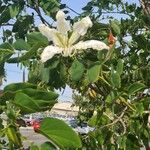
(64, 44)
(82, 26)
(49, 52)
(94, 44)
(63, 26)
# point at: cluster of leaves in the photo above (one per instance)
(110, 83)
(25, 98)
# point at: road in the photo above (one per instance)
(31, 137)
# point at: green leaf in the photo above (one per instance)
(34, 147)
(13, 60)
(119, 68)
(19, 86)
(28, 55)
(50, 7)
(14, 10)
(93, 72)
(47, 146)
(40, 94)
(52, 63)
(92, 121)
(20, 44)
(115, 79)
(60, 133)
(139, 108)
(132, 142)
(31, 53)
(36, 37)
(5, 16)
(5, 54)
(6, 46)
(146, 102)
(101, 55)
(45, 74)
(122, 142)
(135, 87)
(77, 70)
(25, 103)
(22, 25)
(32, 100)
(6, 51)
(115, 25)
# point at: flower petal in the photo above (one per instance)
(52, 35)
(63, 26)
(46, 31)
(82, 26)
(94, 44)
(73, 38)
(49, 52)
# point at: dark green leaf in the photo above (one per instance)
(6, 46)
(20, 44)
(132, 142)
(5, 16)
(101, 55)
(25, 103)
(31, 53)
(60, 133)
(32, 100)
(135, 87)
(139, 108)
(115, 26)
(119, 68)
(92, 121)
(36, 37)
(115, 79)
(76, 70)
(5, 54)
(93, 72)
(47, 146)
(34, 147)
(45, 74)
(40, 94)
(19, 86)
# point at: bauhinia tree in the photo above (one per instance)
(102, 54)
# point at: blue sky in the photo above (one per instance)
(14, 73)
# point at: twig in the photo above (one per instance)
(7, 24)
(71, 9)
(37, 10)
(116, 120)
(115, 12)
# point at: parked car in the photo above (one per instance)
(36, 124)
(21, 122)
(84, 128)
(28, 119)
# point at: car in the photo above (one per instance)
(36, 124)
(28, 119)
(84, 128)
(21, 122)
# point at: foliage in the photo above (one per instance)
(110, 84)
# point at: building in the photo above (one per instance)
(65, 109)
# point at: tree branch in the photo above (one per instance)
(116, 120)
(116, 12)
(37, 10)
(146, 7)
